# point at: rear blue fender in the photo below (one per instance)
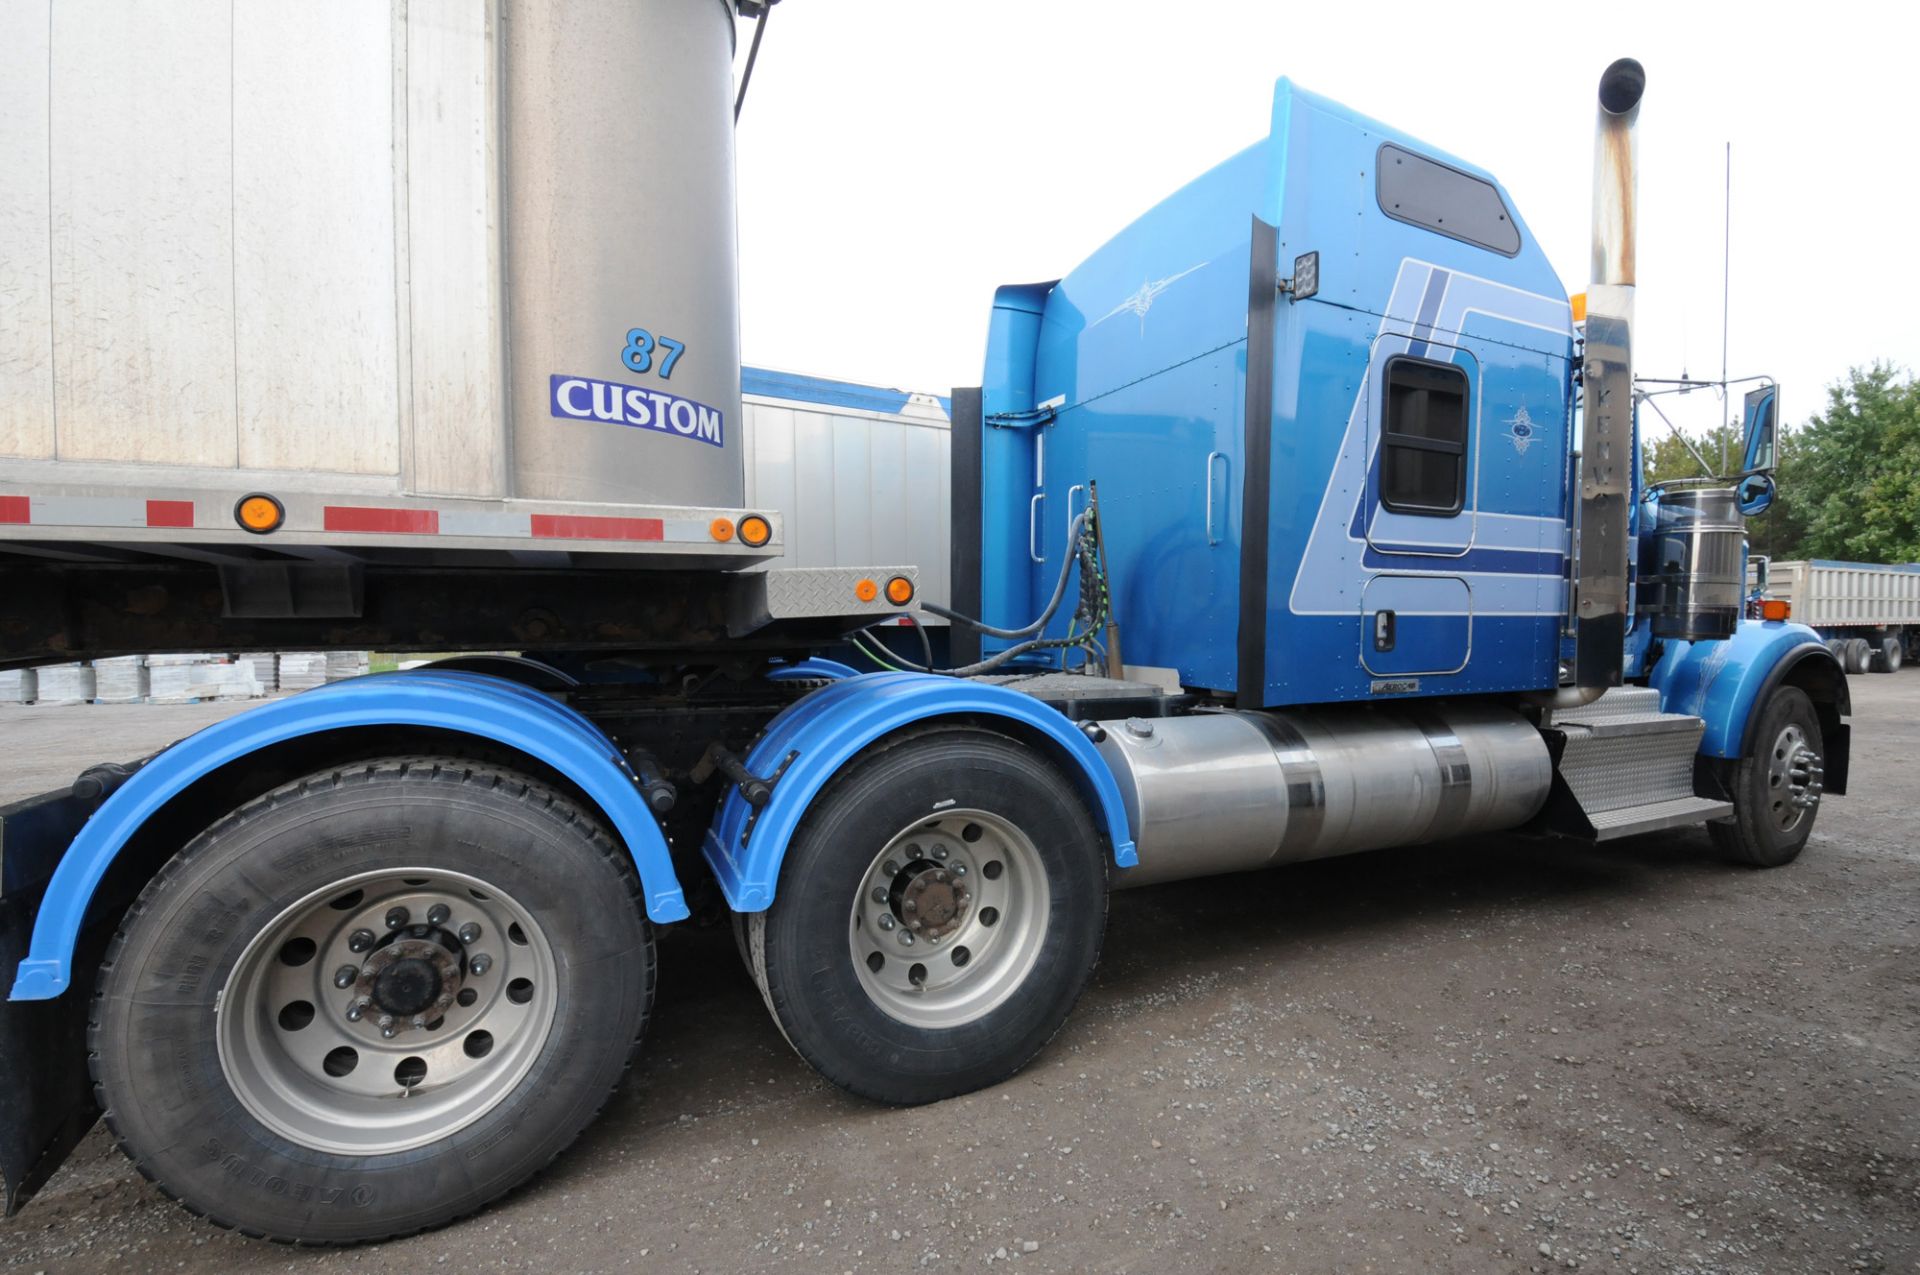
(462, 703)
(824, 731)
(1721, 682)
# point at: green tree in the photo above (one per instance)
(1859, 470)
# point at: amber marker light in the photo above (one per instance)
(720, 529)
(1579, 303)
(899, 591)
(754, 531)
(866, 590)
(259, 513)
(1775, 608)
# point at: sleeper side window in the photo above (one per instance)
(1423, 464)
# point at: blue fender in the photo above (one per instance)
(1721, 682)
(810, 669)
(823, 731)
(465, 703)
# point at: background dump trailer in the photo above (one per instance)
(858, 473)
(1868, 612)
(413, 330)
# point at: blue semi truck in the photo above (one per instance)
(1320, 439)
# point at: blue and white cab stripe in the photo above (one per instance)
(1513, 563)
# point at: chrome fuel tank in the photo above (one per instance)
(1695, 572)
(1231, 791)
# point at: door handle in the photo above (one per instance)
(1033, 526)
(1211, 538)
(1079, 487)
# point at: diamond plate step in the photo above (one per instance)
(1631, 760)
(1621, 701)
(1677, 813)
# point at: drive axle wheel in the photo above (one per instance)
(1776, 788)
(372, 1000)
(940, 911)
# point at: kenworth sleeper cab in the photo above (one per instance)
(1321, 438)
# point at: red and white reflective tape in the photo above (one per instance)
(93, 511)
(375, 520)
(434, 522)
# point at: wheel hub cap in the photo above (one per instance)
(933, 904)
(410, 977)
(1795, 778)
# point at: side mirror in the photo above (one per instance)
(1755, 494)
(1762, 421)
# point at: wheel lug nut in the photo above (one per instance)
(939, 852)
(360, 940)
(879, 894)
(438, 914)
(481, 963)
(420, 1022)
(906, 939)
(356, 1011)
(959, 869)
(943, 877)
(346, 976)
(469, 933)
(891, 868)
(887, 922)
(397, 917)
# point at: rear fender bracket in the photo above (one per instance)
(459, 703)
(811, 740)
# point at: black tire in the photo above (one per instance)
(156, 1046)
(1857, 655)
(1890, 656)
(1766, 830)
(800, 948)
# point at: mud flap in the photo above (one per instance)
(48, 1097)
(46, 1094)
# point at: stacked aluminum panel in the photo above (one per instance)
(302, 670)
(186, 683)
(66, 684)
(19, 686)
(121, 680)
(342, 665)
(265, 666)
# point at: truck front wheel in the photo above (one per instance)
(1776, 787)
(373, 1000)
(940, 911)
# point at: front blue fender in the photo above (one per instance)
(1721, 681)
(824, 731)
(464, 703)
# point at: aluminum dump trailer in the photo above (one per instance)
(1869, 612)
(325, 271)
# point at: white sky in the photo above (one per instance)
(901, 158)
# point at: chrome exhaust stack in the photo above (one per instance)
(1606, 440)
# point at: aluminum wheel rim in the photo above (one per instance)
(304, 1065)
(1794, 778)
(963, 967)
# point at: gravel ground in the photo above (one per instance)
(1497, 1055)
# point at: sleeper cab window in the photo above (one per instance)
(1423, 468)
